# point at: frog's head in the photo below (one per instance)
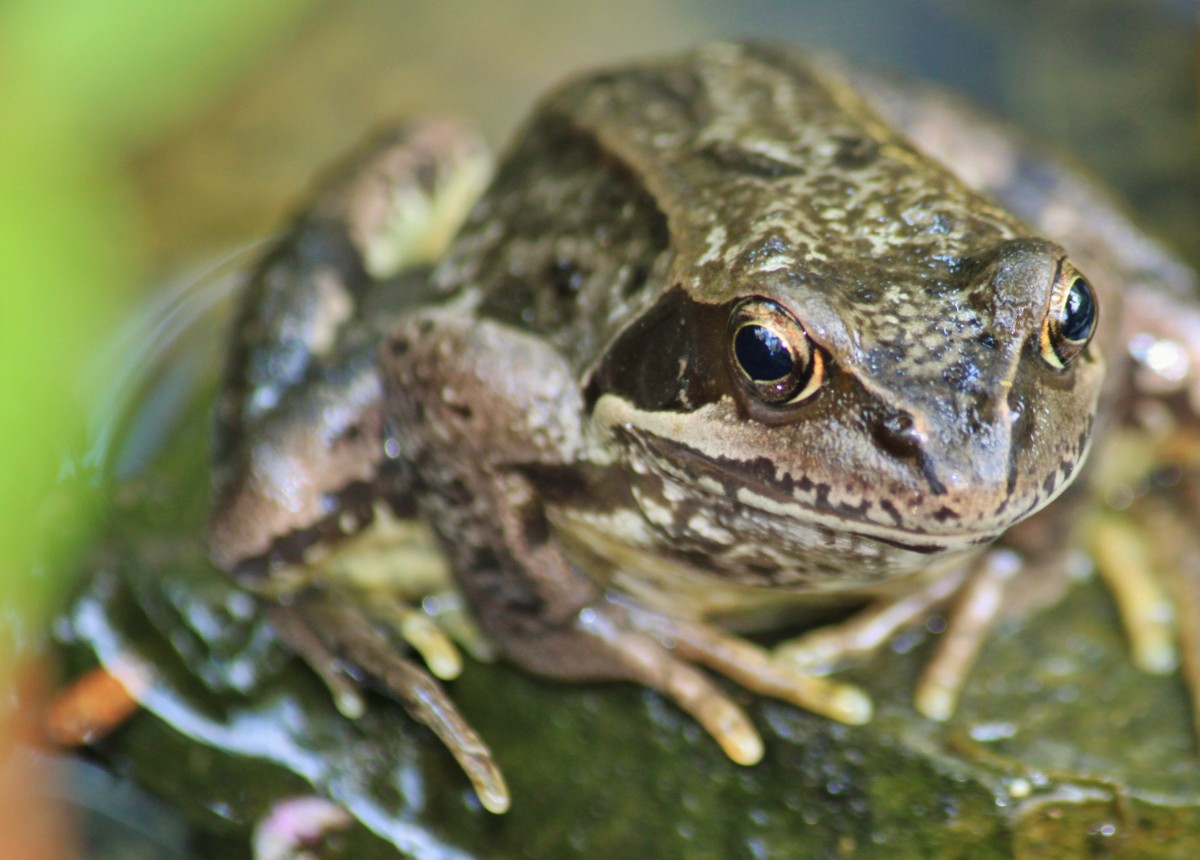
(928, 413)
(848, 351)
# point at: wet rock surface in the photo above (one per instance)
(1060, 747)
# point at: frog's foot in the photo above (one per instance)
(659, 651)
(397, 575)
(827, 648)
(977, 607)
(436, 627)
(337, 638)
(977, 595)
(1188, 598)
(1156, 584)
(1127, 563)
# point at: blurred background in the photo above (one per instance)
(139, 140)
(1112, 81)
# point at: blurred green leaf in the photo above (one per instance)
(117, 72)
(82, 83)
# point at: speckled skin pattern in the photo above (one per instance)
(640, 205)
(562, 400)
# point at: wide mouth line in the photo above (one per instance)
(848, 521)
(687, 466)
(859, 524)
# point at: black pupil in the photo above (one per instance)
(762, 355)
(1080, 311)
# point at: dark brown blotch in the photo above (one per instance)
(732, 158)
(855, 151)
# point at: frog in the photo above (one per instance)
(735, 341)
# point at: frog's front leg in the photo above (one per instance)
(492, 418)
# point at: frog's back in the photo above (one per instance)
(706, 171)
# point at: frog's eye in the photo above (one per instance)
(774, 357)
(1071, 320)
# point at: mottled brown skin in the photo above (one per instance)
(739, 172)
(564, 404)
(298, 422)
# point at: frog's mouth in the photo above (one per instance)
(726, 484)
(679, 450)
(752, 484)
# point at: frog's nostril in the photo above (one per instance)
(901, 435)
(897, 434)
(900, 424)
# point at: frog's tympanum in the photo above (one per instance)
(718, 350)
